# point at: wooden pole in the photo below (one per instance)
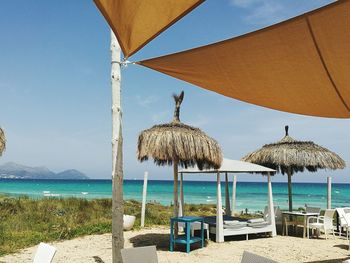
(329, 192)
(144, 198)
(176, 202)
(234, 195)
(182, 202)
(271, 206)
(117, 153)
(219, 217)
(290, 201)
(227, 197)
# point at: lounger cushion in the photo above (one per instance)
(259, 224)
(256, 220)
(231, 222)
(237, 225)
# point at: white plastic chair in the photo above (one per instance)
(310, 209)
(322, 223)
(128, 222)
(278, 217)
(44, 253)
(278, 214)
(140, 254)
(252, 258)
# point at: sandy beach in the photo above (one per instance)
(97, 248)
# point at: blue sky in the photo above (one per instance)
(55, 89)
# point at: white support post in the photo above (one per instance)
(117, 153)
(144, 199)
(182, 203)
(227, 197)
(219, 216)
(270, 206)
(329, 192)
(234, 195)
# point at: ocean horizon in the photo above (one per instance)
(250, 195)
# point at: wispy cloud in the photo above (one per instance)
(266, 12)
(199, 121)
(245, 3)
(261, 12)
(160, 117)
(146, 101)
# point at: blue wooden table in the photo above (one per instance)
(186, 239)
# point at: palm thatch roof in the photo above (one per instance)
(2, 141)
(179, 142)
(289, 153)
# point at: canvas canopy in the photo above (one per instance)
(137, 22)
(301, 65)
(232, 166)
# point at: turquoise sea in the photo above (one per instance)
(251, 195)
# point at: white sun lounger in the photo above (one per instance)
(44, 253)
(344, 220)
(140, 254)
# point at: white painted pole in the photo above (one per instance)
(219, 216)
(234, 195)
(270, 205)
(182, 202)
(117, 153)
(227, 197)
(329, 192)
(144, 199)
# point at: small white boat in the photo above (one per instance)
(84, 193)
(128, 222)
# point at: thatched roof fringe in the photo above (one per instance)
(177, 141)
(298, 155)
(2, 141)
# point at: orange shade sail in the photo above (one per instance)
(137, 22)
(301, 65)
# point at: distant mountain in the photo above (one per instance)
(17, 171)
(71, 174)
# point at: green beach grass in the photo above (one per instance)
(26, 222)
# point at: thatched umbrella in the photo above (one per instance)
(2, 141)
(176, 144)
(290, 156)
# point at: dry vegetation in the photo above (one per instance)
(25, 222)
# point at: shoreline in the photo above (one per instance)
(250, 195)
